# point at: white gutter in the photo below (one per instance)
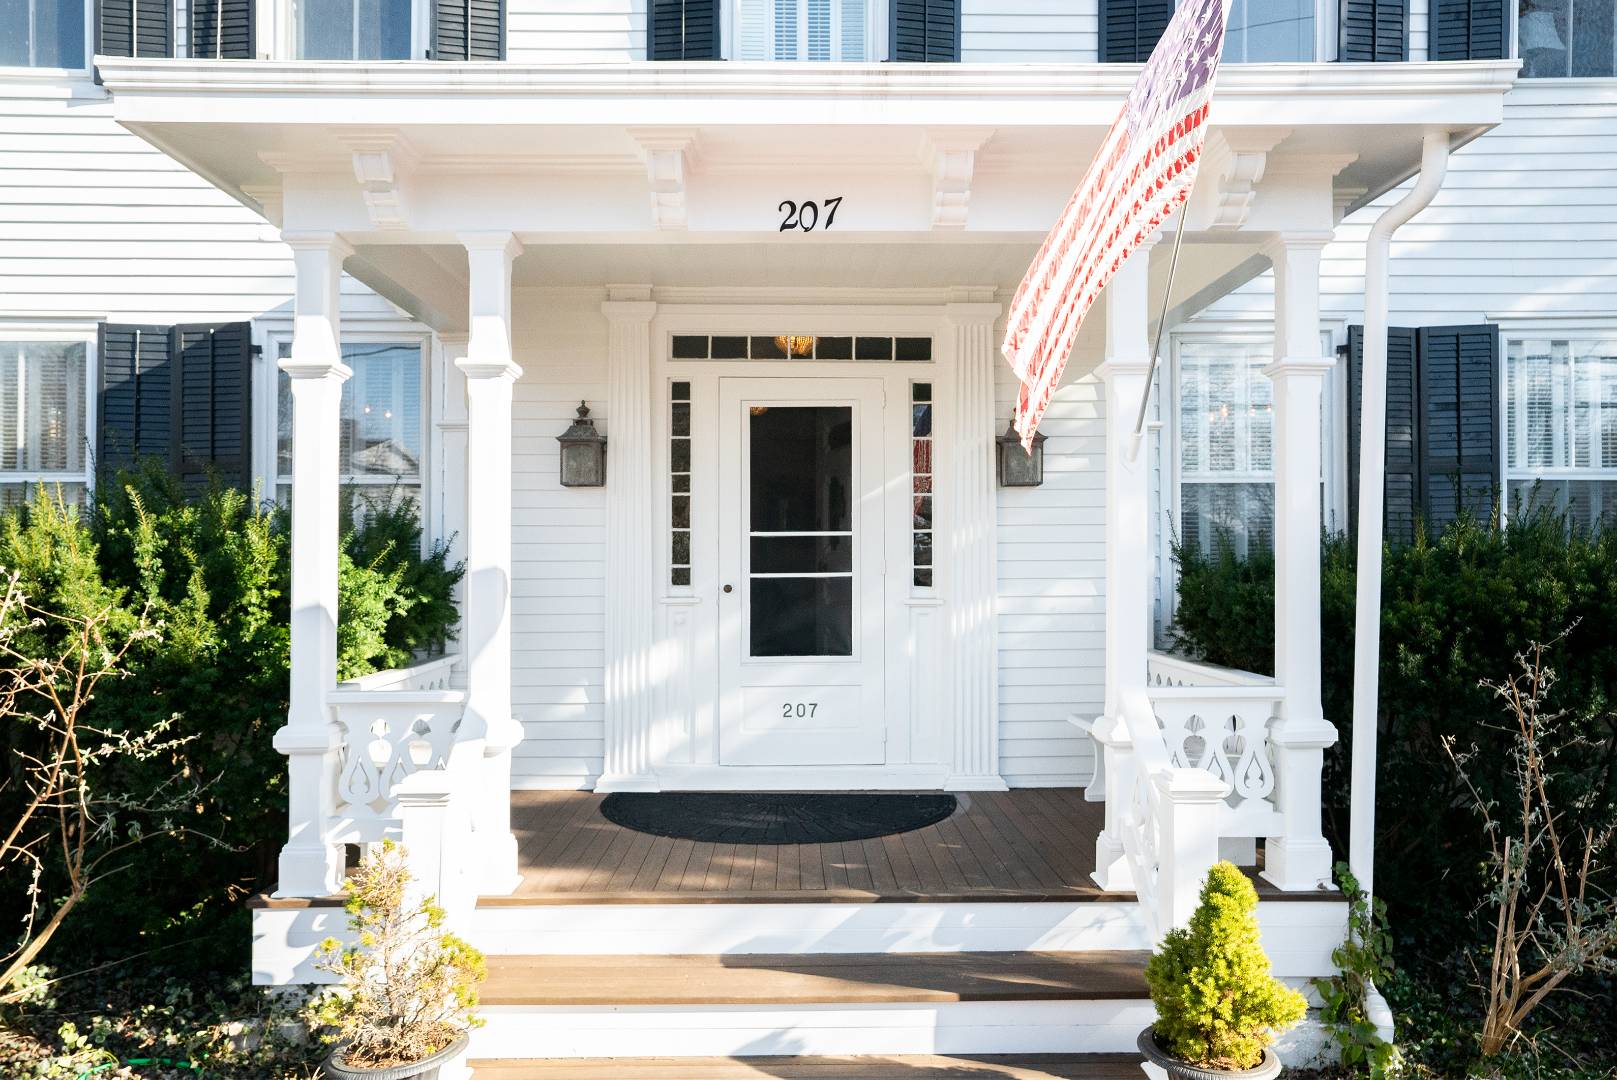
(1372, 486)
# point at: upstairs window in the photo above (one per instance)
(1269, 31)
(837, 30)
(42, 33)
(1567, 38)
(354, 29)
(1561, 426)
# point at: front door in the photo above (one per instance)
(801, 567)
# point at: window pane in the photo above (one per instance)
(42, 33)
(355, 29)
(802, 554)
(1265, 31)
(1560, 38)
(1586, 503)
(42, 396)
(1241, 515)
(802, 468)
(1226, 411)
(802, 616)
(381, 413)
(801, 30)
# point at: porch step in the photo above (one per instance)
(820, 979)
(906, 1067)
(818, 1005)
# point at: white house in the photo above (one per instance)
(770, 245)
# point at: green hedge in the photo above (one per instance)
(213, 567)
(1456, 609)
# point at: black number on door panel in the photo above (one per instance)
(801, 710)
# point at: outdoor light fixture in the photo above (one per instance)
(795, 347)
(1017, 467)
(583, 452)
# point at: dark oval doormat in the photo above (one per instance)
(714, 817)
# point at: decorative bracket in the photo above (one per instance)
(380, 160)
(1238, 157)
(670, 159)
(952, 156)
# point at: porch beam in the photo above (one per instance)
(1124, 372)
(1301, 858)
(971, 559)
(490, 373)
(310, 863)
(630, 551)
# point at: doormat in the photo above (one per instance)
(712, 817)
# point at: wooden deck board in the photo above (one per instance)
(813, 979)
(1030, 844)
(898, 1067)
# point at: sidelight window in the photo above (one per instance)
(921, 473)
(679, 483)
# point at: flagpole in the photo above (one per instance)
(1162, 324)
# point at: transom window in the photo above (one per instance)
(803, 30)
(43, 415)
(379, 450)
(1561, 426)
(801, 347)
(42, 33)
(1567, 38)
(354, 29)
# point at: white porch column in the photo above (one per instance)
(486, 620)
(1301, 858)
(310, 864)
(630, 539)
(449, 390)
(971, 558)
(1128, 544)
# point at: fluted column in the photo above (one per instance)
(490, 373)
(1125, 373)
(1301, 858)
(310, 864)
(969, 558)
(631, 554)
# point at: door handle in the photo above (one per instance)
(729, 588)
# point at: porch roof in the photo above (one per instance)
(410, 155)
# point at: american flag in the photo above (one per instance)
(1142, 173)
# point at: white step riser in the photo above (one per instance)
(799, 929)
(967, 1027)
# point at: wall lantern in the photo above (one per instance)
(1017, 468)
(583, 452)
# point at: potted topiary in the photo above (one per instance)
(408, 986)
(1218, 1008)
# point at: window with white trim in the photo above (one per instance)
(1269, 30)
(44, 416)
(1226, 444)
(42, 33)
(1561, 425)
(837, 30)
(1567, 38)
(354, 29)
(379, 452)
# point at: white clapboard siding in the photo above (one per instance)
(558, 543)
(1052, 583)
(96, 223)
(1525, 225)
(1029, 31)
(575, 31)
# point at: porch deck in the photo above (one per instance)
(1029, 844)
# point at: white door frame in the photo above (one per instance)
(917, 657)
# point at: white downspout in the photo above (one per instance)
(1372, 469)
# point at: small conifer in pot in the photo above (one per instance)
(1218, 1007)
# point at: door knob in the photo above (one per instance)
(729, 588)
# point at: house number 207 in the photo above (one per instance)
(800, 709)
(806, 215)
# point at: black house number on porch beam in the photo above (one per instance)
(806, 215)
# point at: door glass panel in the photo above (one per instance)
(800, 548)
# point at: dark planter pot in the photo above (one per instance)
(1267, 1069)
(425, 1069)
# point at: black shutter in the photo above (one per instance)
(1129, 29)
(1403, 473)
(179, 395)
(1468, 30)
(682, 30)
(211, 403)
(468, 30)
(134, 27)
(223, 29)
(1374, 30)
(925, 31)
(134, 407)
(1459, 421)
